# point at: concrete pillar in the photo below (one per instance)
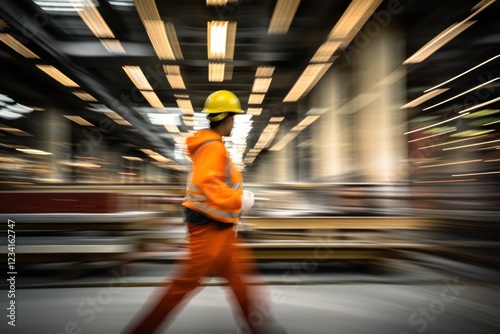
(332, 132)
(380, 124)
(54, 137)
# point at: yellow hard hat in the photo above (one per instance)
(222, 101)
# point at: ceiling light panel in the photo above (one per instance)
(355, 16)
(261, 85)
(256, 98)
(254, 111)
(264, 71)
(221, 37)
(437, 42)
(325, 52)
(15, 45)
(311, 75)
(138, 78)
(219, 2)
(60, 5)
(427, 96)
(216, 72)
(79, 120)
(283, 15)
(84, 96)
(216, 39)
(185, 106)
(174, 76)
(152, 98)
(57, 75)
(93, 19)
(166, 47)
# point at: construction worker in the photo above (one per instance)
(213, 203)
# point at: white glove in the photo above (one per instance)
(247, 200)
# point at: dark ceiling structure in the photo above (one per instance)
(93, 42)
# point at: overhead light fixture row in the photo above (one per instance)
(447, 35)
(261, 85)
(311, 75)
(282, 17)
(138, 78)
(78, 120)
(162, 36)
(256, 98)
(57, 75)
(426, 97)
(93, 19)
(264, 71)
(219, 2)
(15, 45)
(221, 37)
(84, 96)
(174, 76)
(353, 19)
(216, 72)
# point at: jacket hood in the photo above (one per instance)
(199, 138)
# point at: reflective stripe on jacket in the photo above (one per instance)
(215, 187)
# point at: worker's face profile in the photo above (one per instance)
(229, 125)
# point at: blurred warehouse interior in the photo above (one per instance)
(367, 114)
(335, 91)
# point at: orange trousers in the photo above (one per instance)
(211, 251)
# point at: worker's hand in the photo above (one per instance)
(247, 200)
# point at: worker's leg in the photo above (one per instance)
(205, 244)
(237, 266)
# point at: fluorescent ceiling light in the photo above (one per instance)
(355, 16)
(152, 98)
(185, 106)
(325, 52)
(93, 19)
(461, 94)
(463, 73)
(216, 72)
(174, 76)
(19, 108)
(84, 96)
(439, 41)
(171, 128)
(122, 3)
(33, 151)
(164, 119)
(261, 85)
(138, 78)
(216, 39)
(6, 114)
(219, 2)
(57, 75)
(159, 40)
(256, 98)
(60, 5)
(283, 15)
(254, 111)
(221, 37)
(311, 75)
(162, 36)
(427, 96)
(264, 71)
(79, 120)
(15, 45)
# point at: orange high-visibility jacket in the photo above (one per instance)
(215, 187)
